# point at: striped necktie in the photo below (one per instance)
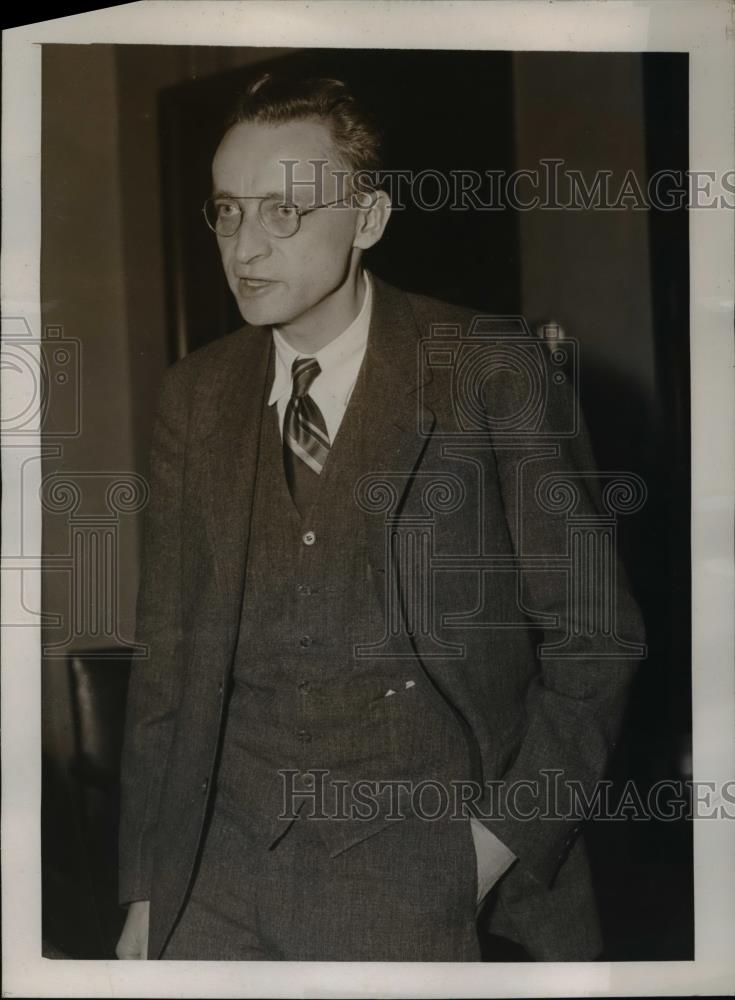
(305, 437)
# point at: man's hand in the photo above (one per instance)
(133, 943)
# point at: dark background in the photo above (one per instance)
(132, 130)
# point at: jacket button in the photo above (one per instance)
(304, 642)
(205, 784)
(308, 537)
(303, 736)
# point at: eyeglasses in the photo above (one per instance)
(279, 218)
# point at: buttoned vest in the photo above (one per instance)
(317, 728)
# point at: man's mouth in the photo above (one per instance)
(249, 286)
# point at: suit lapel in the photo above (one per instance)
(229, 449)
(397, 427)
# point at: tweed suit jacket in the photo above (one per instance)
(525, 714)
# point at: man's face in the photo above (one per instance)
(283, 281)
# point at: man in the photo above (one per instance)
(306, 474)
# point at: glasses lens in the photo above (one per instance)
(279, 217)
(223, 215)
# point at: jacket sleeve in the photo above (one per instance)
(574, 705)
(154, 691)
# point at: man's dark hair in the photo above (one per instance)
(357, 139)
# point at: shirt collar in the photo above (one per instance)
(338, 359)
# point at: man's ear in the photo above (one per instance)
(373, 212)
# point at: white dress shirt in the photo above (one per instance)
(340, 362)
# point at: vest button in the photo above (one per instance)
(303, 736)
(304, 641)
(205, 784)
(303, 685)
(308, 537)
(304, 588)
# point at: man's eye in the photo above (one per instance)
(226, 209)
(285, 210)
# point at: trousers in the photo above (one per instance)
(406, 893)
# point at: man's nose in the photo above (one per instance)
(251, 240)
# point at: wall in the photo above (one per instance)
(102, 280)
(617, 282)
(587, 269)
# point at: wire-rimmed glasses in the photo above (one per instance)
(279, 218)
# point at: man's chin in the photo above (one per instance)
(261, 313)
